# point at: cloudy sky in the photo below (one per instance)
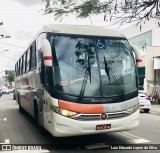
(21, 20)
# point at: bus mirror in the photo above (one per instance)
(47, 52)
(137, 55)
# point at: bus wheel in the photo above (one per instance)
(20, 107)
(36, 117)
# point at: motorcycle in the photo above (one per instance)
(154, 98)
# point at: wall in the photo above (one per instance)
(134, 30)
(149, 33)
(151, 51)
(155, 34)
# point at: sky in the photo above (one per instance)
(21, 20)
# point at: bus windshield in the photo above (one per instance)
(92, 66)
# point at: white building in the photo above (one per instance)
(147, 38)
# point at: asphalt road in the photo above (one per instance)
(16, 128)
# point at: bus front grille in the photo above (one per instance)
(94, 117)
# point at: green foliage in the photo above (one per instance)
(91, 7)
(10, 77)
(117, 11)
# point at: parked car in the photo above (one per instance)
(5, 91)
(145, 104)
(10, 90)
(0, 93)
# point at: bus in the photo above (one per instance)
(79, 80)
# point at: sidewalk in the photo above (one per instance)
(155, 109)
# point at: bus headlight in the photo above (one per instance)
(133, 109)
(63, 112)
(67, 113)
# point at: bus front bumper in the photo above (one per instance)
(64, 127)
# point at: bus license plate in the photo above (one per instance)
(103, 127)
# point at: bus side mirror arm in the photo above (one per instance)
(47, 53)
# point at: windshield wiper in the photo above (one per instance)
(109, 71)
(107, 68)
(87, 74)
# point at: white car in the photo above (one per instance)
(5, 91)
(144, 102)
(10, 90)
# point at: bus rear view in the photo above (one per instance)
(89, 81)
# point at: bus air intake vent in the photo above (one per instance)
(95, 117)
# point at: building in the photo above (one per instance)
(146, 36)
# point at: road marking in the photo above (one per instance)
(96, 146)
(4, 119)
(7, 141)
(129, 135)
(139, 141)
(134, 138)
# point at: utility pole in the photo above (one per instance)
(2, 35)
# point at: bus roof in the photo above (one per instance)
(81, 30)
(77, 30)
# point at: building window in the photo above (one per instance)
(142, 40)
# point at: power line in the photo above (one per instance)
(8, 57)
(12, 45)
(13, 57)
(13, 53)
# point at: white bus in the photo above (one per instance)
(78, 80)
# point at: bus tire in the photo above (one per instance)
(20, 107)
(36, 117)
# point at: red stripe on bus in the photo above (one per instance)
(139, 60)
(81, 108)
(25, 81)
(47, 58)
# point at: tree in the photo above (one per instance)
(115, 11)
(10, 76)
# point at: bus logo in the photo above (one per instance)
(104, 116)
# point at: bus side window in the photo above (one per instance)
(47, 78)
(28, 60)
(40, 56)
(33, 61)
